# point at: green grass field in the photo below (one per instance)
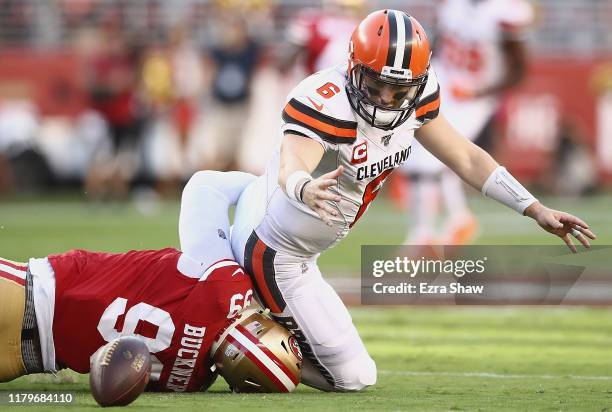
(429, 358)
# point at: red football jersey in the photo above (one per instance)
(172, 303)
(324, 37)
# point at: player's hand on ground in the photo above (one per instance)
(317, 195)
(561, 224)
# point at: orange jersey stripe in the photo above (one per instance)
(258, 268)
(319, 125)
(428, 107)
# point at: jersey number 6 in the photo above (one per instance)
(328, 90)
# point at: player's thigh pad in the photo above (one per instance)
(12, 305)
(250, 210)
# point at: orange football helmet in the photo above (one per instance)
(389, 58)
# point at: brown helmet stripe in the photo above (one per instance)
(400, 40)
(392, 50)
(409, 38)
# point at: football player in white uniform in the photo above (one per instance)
(481, 54)
(345, 130)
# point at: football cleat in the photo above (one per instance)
(389, 58)
(257, 354)
(462, 231)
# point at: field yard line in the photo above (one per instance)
(494, 375)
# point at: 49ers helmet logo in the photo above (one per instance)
(360, 153)
(295, 347)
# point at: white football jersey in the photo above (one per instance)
(319, 108)
(471, 32)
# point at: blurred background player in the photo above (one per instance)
(316, 38)
(112, 88)
(230, 63)
(172, 81)
(480, 54)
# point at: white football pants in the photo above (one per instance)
(300, 299)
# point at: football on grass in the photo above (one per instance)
(120, 371)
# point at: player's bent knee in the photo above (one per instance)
(203, 177)
(358, 375)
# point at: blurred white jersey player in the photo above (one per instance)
(480, 54)
(279, 238)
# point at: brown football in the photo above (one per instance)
(120, 371)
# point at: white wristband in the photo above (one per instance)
(504, 188)
(293, 180)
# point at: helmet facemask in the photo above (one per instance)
(385, 100)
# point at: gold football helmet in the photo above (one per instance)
(256, 354)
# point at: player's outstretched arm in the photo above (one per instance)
(477, 168)
(299, 157)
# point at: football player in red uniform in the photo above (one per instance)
(319, 35)
(56, 312)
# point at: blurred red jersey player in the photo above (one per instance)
(320, 36)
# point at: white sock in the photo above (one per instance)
(424, 207)
(454, 197)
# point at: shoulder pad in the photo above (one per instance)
(320, 104)
(428, 106)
